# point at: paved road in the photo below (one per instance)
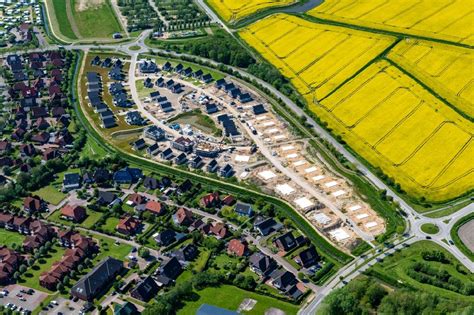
(414, 219)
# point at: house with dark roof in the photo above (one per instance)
(196, 162)
(212, 166)
(179, 68)
(171, 269)
(145, 290)
(265, 226)
(127, 175)
(71, 181)
(206, 78)
(282, 279)
(167, 66)
(211, 108)
(167, 154)
(107, 198)
(226, 171)
(138, 144)
(285, 242)
(108, 123)
(244, 209)
(262, 264)
(150, 183)
(154, 133)
(166, 237)
(147, 66)
(307, 258)
(245, 97)
(116, 74)
(153, 150)
(259, 109)
(186, 253)
(102, 276)
(187, 72)
(181, 159)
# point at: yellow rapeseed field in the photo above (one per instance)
(234, 10)
(449, 20)
(397, 125)
(316, 58)
(446, 69)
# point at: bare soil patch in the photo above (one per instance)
(82, 5)
(466, 234)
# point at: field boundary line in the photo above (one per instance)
(430, 90)
(373, 61)
(398, 34)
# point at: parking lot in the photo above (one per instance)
(64, 306)
(22, 301)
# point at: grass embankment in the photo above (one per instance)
(97, 21)
(230, 297)
(395, 269)
(59, 19)
(457, 240)
(430, 228)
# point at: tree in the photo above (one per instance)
(143, 252)
(59, 286)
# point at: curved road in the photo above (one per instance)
(414, 219)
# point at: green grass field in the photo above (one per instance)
(230, 297)
(430, 228)
(8, 238)
(395, 268)
(60, 19)
(31, 277)
(92, 217)
(96, 22)
(108, 248)
(110, 224)
(197, 120)
(50, 194)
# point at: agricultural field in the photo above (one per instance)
(95, 19)
(448, 20)
(234, 10)
(446, 69)
(316, 58)
(422, 143)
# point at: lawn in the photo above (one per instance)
(31, 277)
(59, 19)
(92, 217)
(50, 194)
(395, 268)
(8, 238)
(430, 228)
(108, 248)
(230, 297)
(198, 120)
(110, 224)
(92, 149)
(97, 21)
